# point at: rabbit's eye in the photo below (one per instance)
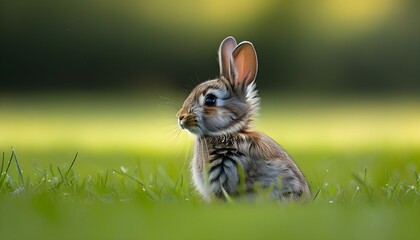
(210, 100)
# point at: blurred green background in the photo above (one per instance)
(105, 78)
(347, 46)
(339, 81)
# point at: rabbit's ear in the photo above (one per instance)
(225, 54)
(244, 64)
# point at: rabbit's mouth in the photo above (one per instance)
(195, 129)
(190, 124)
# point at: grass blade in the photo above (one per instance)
(72, 163)
(63, 177)
(316, 194)
(2, 164)
(131, 177)
(18, 166)
(4, 174)
(226, 195)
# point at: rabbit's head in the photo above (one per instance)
(226, 104)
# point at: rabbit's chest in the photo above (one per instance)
(223, 168)
(218, 166)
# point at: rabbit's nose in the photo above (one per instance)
(180, 122)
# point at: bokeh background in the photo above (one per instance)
(325, 46)
(105, 78)
(340, 87)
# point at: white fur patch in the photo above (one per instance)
(252, 99)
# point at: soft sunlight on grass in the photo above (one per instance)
(130, 123)
(116, 167)
(343, 123)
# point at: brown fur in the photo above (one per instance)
(225, 144)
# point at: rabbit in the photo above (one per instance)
(229, 157)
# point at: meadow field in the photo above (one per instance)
(115, 166)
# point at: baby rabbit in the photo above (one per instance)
(229, 156)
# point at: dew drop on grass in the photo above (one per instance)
(124, 169)
(331, 201)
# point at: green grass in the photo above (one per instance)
(110, 167)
